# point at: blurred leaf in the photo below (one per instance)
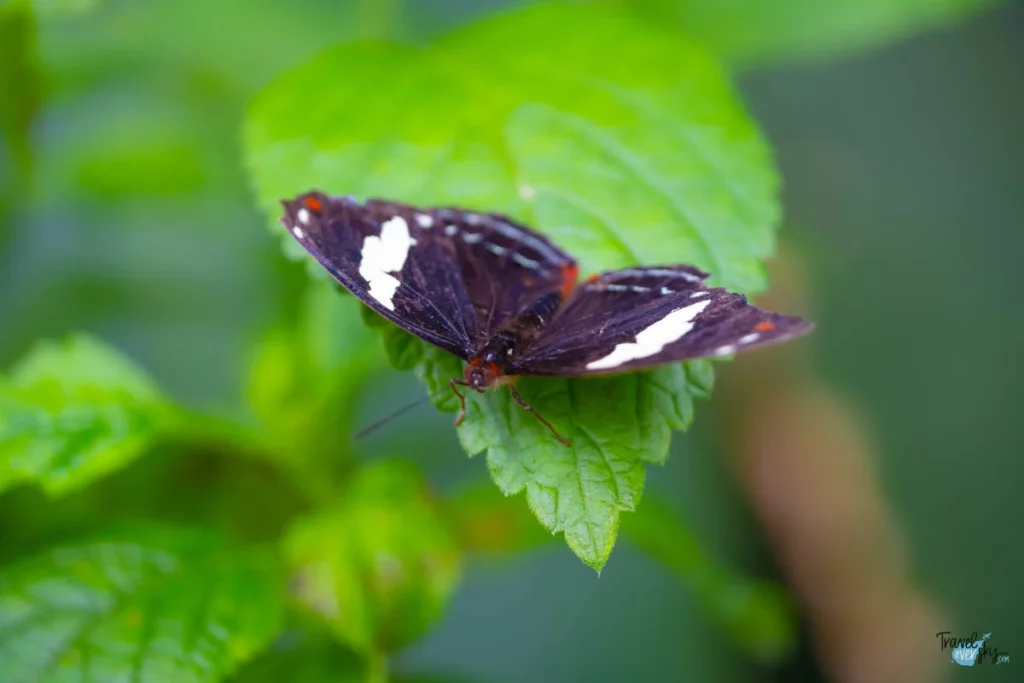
(755, 31)
(643, 155)
(73, 411)
(60, 9)
(235, 62)
(192, 485)
(137, 160)
(18, 80)
(20, 97)
(376, 18)
(432, 366)
(156, 145)
(380, 566)
(150, 604)
(489, 522)
(757, 614)
(305, 378)
(299, 656)
(327, 352)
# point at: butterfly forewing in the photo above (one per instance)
(504, 266)
(449, 276)
(640, 317)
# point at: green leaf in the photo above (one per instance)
(302, 656)
(63, 9)
(19, 83)
(757, 614)
(73, 411)
(644, 155)
(432, 366)
(304, 381)
(755, 31)
(402, 349)
(158, 155)
(149, 605)
(491, 523)
(320, 358)
(660, 189)
(623, 157)
(616, 425)
(378, 567)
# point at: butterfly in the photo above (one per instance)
(508, 301)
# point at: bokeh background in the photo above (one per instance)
(127, 214)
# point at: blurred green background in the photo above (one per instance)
(126, 213)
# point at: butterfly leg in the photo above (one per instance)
(462, 399)
(528, 408)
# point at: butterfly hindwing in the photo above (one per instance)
(449, 276)
(641, 317)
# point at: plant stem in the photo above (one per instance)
(378, 667)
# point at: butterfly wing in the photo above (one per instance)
(640, 317)
(450, 277)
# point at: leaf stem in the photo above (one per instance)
(378, 667)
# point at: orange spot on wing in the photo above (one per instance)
(592, 278)
(764, 326)
(313, 204)
(569, 274)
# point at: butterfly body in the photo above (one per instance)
(492, 364)
(506, 300)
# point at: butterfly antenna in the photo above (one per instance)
(366, 431)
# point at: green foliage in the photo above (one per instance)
(652, 139)
(19, 85)
(17, 79)
(304, 654)
(73, 411)
(616, 426)
(57, 9)
(663, 163)
(150, 604)
(488, 522)
(623, 156)
(303, 383)
(380, 565)
(749, 32)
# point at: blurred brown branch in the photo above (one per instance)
(807, 465)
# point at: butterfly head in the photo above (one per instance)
(480, 374)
